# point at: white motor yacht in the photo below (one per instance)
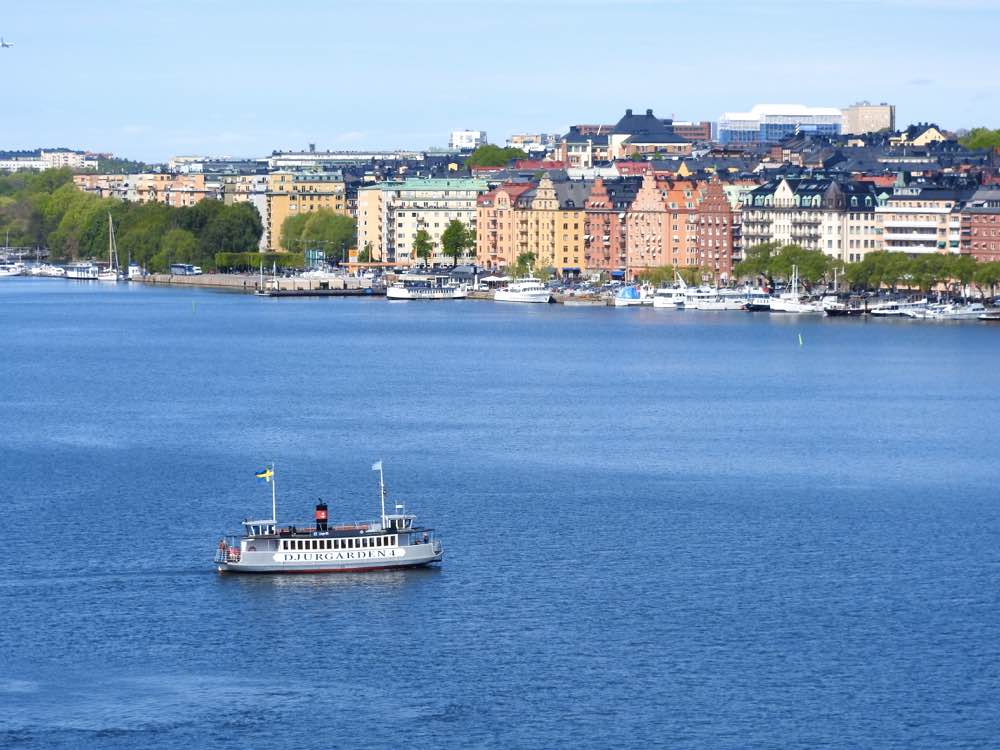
(669, 298)
(949, 311)
(524, 290)
(897, 308)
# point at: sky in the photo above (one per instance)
(151, 79)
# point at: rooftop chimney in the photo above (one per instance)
(628, 112)
(649, 112)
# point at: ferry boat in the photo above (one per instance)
(84, 271)
(392, 541)
(434, 287)
(524, 290)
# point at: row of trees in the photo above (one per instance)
(981, 138)
(925, 272)
(45, 209)
(323, 229)
(457, 241)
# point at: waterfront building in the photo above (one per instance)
(647, 227)
(920, 219)
(716, 233)
(604, 235)
(980, 225)
(253, 189)
(547, 218)
(816, 213)
(864, 117)
(291, 193)
(391, 213)
(771, 123)
(500, 223)
(467, 140)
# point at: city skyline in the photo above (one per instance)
(393, 75)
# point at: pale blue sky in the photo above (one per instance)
(149, 79)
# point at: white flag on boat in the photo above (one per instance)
(377, 466)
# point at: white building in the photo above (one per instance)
(918, 220)
(391, 213)
(771, 123)
(467, 140)
(55, 159)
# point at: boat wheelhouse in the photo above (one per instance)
(392, 541)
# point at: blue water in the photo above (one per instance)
(661, 528)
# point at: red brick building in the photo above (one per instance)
(980, 219)
(715, 226)
(604, 223)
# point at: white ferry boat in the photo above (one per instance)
(393, 541)
(433, 287)
(83, 270)
(524, 290)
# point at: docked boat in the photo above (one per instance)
(427, 288)
(113, 271)
(949, 311)
(835, 307)
(524, 290)
(392, 541)
(993, 316)
(84, 270)
(633, 296)
(11, 269)
(757, 300)
(793, 301)
(669, 298)
(896, 308)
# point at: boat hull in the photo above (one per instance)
(429, 294)
(360, 561)
(537, 298)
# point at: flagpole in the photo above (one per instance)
(274, 499)
(381, 487)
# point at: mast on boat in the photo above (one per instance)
(113, 264)
(377, 466)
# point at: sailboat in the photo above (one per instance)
(113, 272)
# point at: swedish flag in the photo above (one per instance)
(265, 474)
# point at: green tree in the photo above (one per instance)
(422, 245)
(365, 255)
(323, 229)
(756, 263)
(981, 138)
(454, 240)
(493, 156)
(524, 264)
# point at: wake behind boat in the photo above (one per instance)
(393, 541)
